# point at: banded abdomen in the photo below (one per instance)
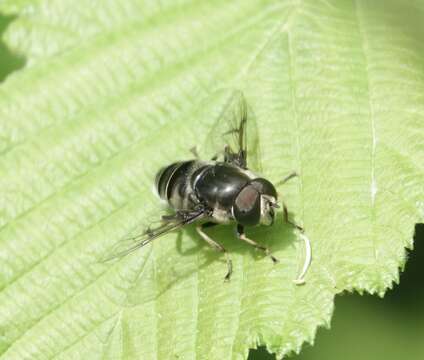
(174, 184)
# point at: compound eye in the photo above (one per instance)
(265, 187)
(247, 206)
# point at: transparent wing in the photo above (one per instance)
(233, 134)
(167, 224)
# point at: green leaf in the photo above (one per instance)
(112, 92)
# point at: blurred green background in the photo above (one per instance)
(370, 328)
(363, 327)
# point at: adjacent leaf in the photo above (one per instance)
(111, 93)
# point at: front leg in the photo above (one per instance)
(287, 220)
(308, 250)
(242, 236)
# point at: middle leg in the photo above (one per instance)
(216, 246)
(242, 236)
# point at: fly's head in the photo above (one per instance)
(255, 203)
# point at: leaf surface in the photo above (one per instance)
(112, 92)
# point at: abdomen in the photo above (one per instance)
(173, 184)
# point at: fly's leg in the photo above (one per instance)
(287, 220)
(300, 280)
(216, 246)
(228, 154)
(183, 215)
(169, 218)
(172, 218)
(194, 151)
(196, 155)
(287, 178)
(218, 154)
(308, 250)
(242, 236)
(285, 211)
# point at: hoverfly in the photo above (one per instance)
(222, 190)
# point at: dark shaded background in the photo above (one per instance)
(8, 61)
(370, 328)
